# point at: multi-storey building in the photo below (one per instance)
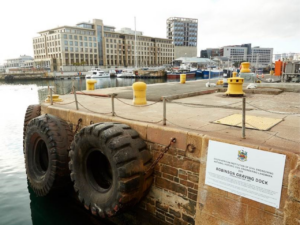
(95, 44)
(236, 54)
(286, 56)
(210, 52)
(17, 62)
(260, 57)
(183, 32)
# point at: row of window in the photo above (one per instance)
(138, 43)
(75, 37)
(83, 32)
(139, 53)
(71, 49)
(139, 48)
(76, 43)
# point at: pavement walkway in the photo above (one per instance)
(196, 113)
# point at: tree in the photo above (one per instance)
(237, 63)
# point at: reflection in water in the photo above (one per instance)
(60, 209)
(63, 87)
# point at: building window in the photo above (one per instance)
(95, 45)
(76, 43)
(90, 44)
(85, 44)
(66, 42)
(90, 38)
(70, 37)
(75, 37)
(80, 38)
(71, 42)
(65, 36)
(66, 49)
(85, 38)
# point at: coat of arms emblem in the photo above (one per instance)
(242, 155)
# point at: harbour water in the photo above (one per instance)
(18, 204)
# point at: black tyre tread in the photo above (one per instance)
(60, 174)
(131, 157)
(32, 111)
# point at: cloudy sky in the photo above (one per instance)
(265, 23)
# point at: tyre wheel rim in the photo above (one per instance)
(99, 172)
(41, 157)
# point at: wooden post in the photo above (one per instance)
(51, 98)
(165, 111)
(74, 91)
(244, 118)
(113, 104)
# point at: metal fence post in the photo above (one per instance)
(165, 111)
(113, 104)
(244, 118)
(51, 97)
(74, 91)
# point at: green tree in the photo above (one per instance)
(237, 63)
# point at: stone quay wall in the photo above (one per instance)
(179, 194)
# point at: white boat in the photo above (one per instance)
(126, 73)
(96, 73)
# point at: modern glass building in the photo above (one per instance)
(183, 32)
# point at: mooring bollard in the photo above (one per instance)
(165, 111)
(182, 78)
(244, 118)
(139, 93)
(90, 85)
(74, 90)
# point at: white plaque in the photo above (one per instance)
(247, 172)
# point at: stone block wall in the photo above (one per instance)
(173, 195)
(179, 194)
(292, 206)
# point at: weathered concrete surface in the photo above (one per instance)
(179, 194)
(295, 87)
(156, 91)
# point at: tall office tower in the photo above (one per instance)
(183, 32)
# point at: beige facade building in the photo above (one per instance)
(95, 44)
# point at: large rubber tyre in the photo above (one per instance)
(47, 143)
(32, 111)
(108, 161)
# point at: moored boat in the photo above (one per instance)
(176, 75)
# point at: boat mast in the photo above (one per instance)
(135, 59)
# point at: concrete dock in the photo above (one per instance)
(179, 192)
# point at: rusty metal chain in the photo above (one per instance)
(172, 141)
(78, 126)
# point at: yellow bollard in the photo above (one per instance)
(235, 85)
(220, 82)
(90, 85)
(55, 98)
(139, 93)
(182, 78)
(245, 67)
(271, 72)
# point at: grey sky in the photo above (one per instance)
(265, 23)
